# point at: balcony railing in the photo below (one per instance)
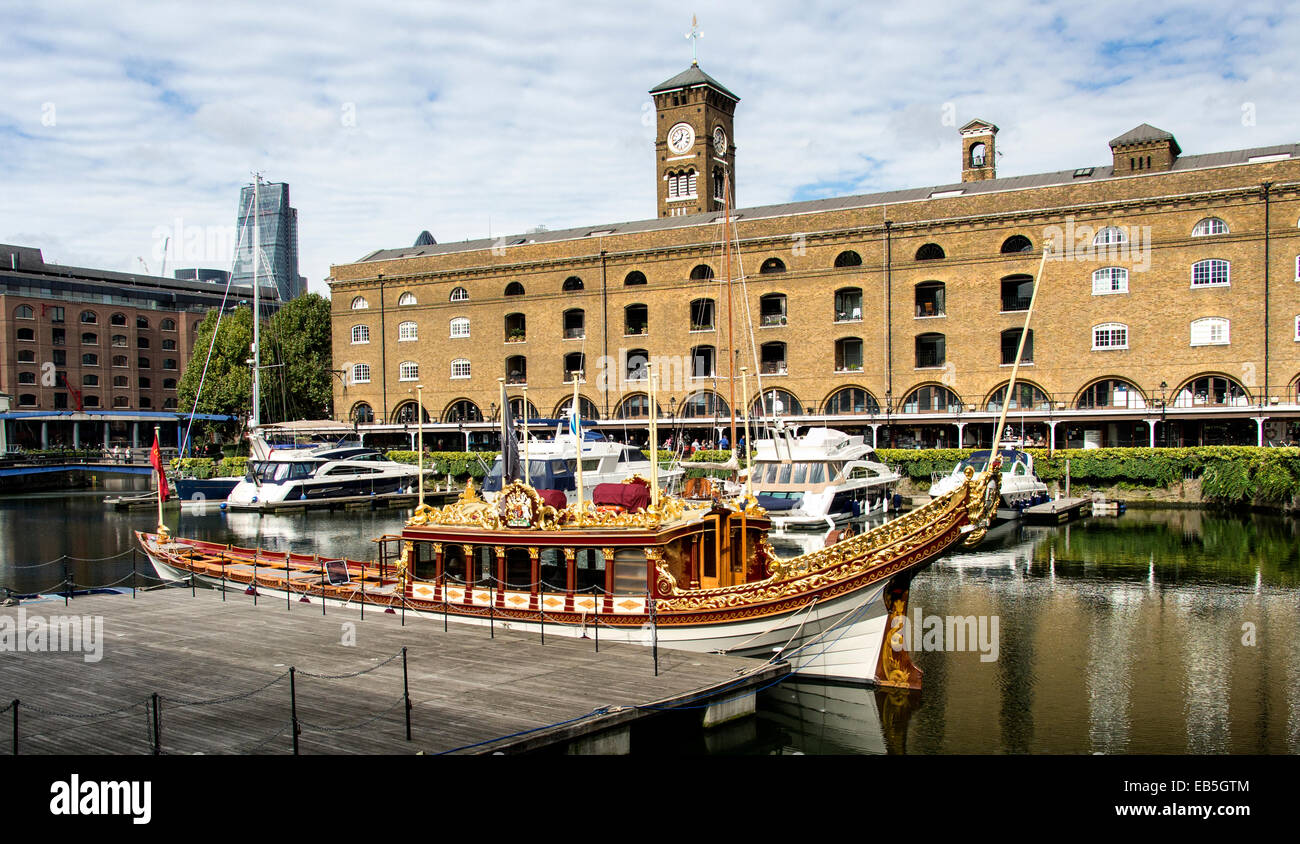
(1015, 303)
(772, 367)
(929, 358)
(768, 320)
(575, 332)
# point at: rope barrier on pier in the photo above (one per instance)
(400, 698)
(227, 698)
(302, 673)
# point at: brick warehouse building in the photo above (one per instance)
(1171, 317)
(93, 358)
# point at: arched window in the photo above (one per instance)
(519, 409)
(1027, 397)
(462, 410)
(586, 408)
(362, 413)
(977, 154)
(142, 363)
(89, 318)
(27, 378)
(681, 185)
(1209, 226)
(931, 299)
(27, 356)
(776, 403)
(516, 370)
(119, 360)
(701, 272)
(27, 335)
(1111, 393)
(516, 328)
(848, 304)
(360, 334)
(850, 401)
(90, 360)
(1109, 335)
(360, 373)
(408, 370)
(703, 362)
(931, 398)
(26, 400)
(359, 303)
(848, 354)
(575, 366)
(118, 319)
(24, 312)
(636, 320)
(143, 383)
(90, 380)
(703, 404)
(575, 324)
(144, 402)
(1017, 291)
(1210, 331)
(1212, 391)
(89, 338)
(634, 278)
(514, 288)
(637, 365)
(459, 327)
(142, 342)
(459, 294)
(930, 350)
(121, 381)
(1110, 236)
(1011, 342)
(407, 331)
(121, 401)
(771, 310)
(1109, 280)
(848, 258)
(930, 252)
(141, 322)
(169, 345)
(460, 368)
(169, 383)
(771, 359)
(167, 325)
(571, 284)
(404, 413)
(1211, 273)
(1017, 243)
(702, 315)
(169, 363)
(93, 401)
(119, 340)
(635, 406)
(772, 265)
(407, 298)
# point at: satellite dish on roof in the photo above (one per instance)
(425, 239)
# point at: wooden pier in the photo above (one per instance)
(220, 669)
(1058, 512)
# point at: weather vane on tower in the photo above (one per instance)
(694, 35)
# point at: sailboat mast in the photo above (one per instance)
(726, 258)
(257, 309)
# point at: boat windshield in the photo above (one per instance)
(978, 462)
(543, 474)
(273, 471)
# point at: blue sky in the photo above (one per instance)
(116, 122)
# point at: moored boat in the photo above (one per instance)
(1021, 488)
(697, 576)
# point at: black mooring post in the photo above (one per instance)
(253, 583)
(443, 577)
(157, 736)
(67, 585)
(492, 627)
(293, 709)
(133, 553)
(322, 587)
(654, 633)
(193, 594)
(595, 616)
(406, 692)
(542, 611)
(15, 726)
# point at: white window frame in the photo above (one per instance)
(1209, 226)
(1210, 262)
(408, 370)
(1210, 324)
(360, 335)
(1111, 328)
(359, 303)
(1297, 328)
(1107, 284)
(1104, 238)
(407, 298)
(464, 297)
(360, 373)
(458, 322)
(460, 369)
(407, 331)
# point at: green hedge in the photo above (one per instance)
(205, 467)
(458, 464)
(1228, 474)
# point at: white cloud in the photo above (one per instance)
(452, 117)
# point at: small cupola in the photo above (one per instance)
(977, 151)
(1144, 149)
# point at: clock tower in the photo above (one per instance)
(694, 145)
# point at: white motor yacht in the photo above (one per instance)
(552, 464)
(327, 472)
(1021, 488)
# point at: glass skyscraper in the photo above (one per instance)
(278, 237)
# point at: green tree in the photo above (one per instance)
(228, 383)
(298, 339)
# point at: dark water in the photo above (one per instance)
(1127, 635)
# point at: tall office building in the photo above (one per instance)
(278, 238)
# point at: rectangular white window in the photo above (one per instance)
(460, 327)
(1109, 280)
(407, 331)
(408, 371)
(360, 334)
(1212, 273)
(1212, 331)
(460, 369)
(1110, 336)
(1297, 329)
(361, 373)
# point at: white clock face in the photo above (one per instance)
(719, 141)
(681, 138)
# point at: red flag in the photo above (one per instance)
(155, 458)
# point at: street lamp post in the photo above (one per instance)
(1164, 426)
